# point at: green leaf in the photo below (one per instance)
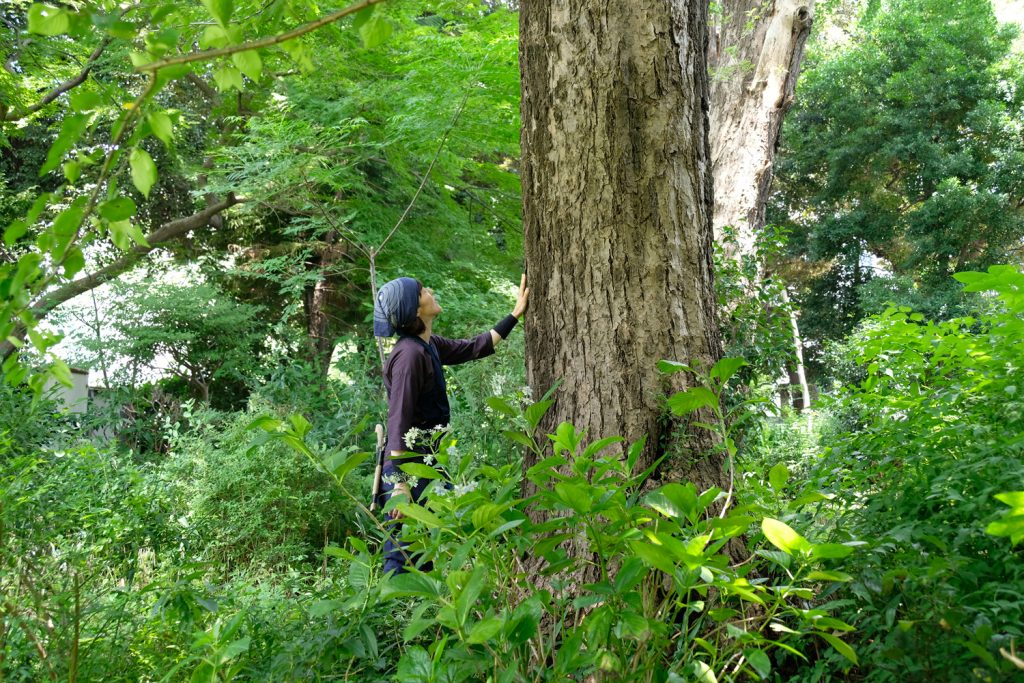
(827, 551)
(48, 21)
(653, 555)
(118, 209)
(484, 630)
(686, 402)
(375, 31)
(420, 514)
(535, 413)
(220, 10)
(519, 438)
(777, 476)
(574, 495)
(725, 369)
(249, 63)
(143, 170)
(228, 77)
(499, 405)
(759, 661)
(214, 37)
(160, 124)
(340, 464)
(420, 470)
(61, 372)
(467, 596)
(71, 130)
(670, 367)
(15, 231)
(821, 575)
(704, 673)
(74, 261)
(411, 584)
(125, 233)
(72, 170)
(783, 537)
(85, 100)
(840, 647)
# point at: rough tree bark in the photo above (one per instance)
(617, 202)
(754, 57)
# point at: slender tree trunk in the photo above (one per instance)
(754, 57)
(617, 213)
(321, 301)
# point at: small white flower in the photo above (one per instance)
(428, 460)
(451, 451)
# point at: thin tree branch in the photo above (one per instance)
(63, 87)
(157, 238)
(204, 55)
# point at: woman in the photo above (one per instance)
(413, 375)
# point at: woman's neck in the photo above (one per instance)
(425, 335)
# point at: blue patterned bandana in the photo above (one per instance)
(396, 306)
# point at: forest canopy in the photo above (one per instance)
(761, 419)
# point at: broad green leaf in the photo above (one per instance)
(125, 233)
(119, 209)
(340, 464)
(228, 77)
(821, 575)
(1012, 498)
(420, 470)
(783, 537)
(71, 130)
(160, 124)
(72, 170)
(498, 404)
(759, 662)
(213, 37)
(534, 413)
(143, 170)
(220, 10)
(470, 591)
(484, 630)
(74, 261)
(85, 100)
(655, 556)
(574, 495)
(725, 369)
(411, 584)
(420, 514)
(61, 372)
(704, 673)
(249, 63)
(670, 367)
(826, 551)
(686, 402)
(777, 476)
(375, 31)
(47, 20)
(840, 647)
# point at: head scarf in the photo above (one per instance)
(396, 306)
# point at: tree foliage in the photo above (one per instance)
(902, 161)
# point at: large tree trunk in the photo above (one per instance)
(754, 57)
(617, 213)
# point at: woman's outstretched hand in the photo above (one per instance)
(521, 301)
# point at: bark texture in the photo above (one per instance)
(616, 181)
(754, 57)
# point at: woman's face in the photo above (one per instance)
(428, 305)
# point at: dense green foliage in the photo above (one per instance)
(901, 162)
(206, 520)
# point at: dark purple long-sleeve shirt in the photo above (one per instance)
(410, 377)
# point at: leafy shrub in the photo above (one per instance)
(935, 430)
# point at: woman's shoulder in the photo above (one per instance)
(405, 351)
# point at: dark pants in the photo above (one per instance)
(394, 553)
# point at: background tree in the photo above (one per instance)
(901, 163)
(617, 213)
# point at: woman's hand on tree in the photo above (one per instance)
(521, 300)
(401, 489)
